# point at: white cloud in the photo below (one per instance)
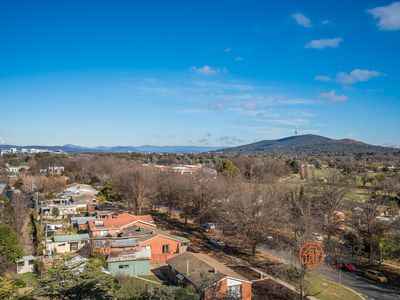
(227, 49)
(357, 75)
(324, 43)
(388, 16)
(238, 58)
(208, 70)
(331, 95)
(302, 20)
(326, 22)
(323, 78)
(249, 106)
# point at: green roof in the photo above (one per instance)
(70, 238)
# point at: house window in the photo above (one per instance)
(74, 246)
(123, 266)
(21, 264)
(165, 248)
(31, 262)
(235, 291)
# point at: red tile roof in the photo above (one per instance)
(120, 221)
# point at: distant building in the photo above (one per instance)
(53, 170)
(15, 169)
(184, 169)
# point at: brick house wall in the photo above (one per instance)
(220, 290)
(246, 291)
(156, 244)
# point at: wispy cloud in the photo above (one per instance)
(301, 20)
(388, 16)
(230, 140)
(326, 22)
(238, 58)
(249, 106)
(228, 49)
(332, 96)
(204, 141)
(324, 78)
(208, 70)
(357, 75)
(324, 43)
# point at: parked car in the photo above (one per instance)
(216, 242)
(348, 267)
(207, 227)
(376, 276)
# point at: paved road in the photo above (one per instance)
(369, 289)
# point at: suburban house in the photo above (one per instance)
(25, 264)
(113, 225)
(210, 278)
(129, 263)
(15, 169)
(161, 244)
(79, 189)
(55, 170)
(67, 243)
(81, 223)
(65, 206)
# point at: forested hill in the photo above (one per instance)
(308, 144)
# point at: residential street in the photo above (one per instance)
(368, 288)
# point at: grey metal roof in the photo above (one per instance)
(201, 270)
(70, 238)
(81, 220)
(124, 243)
(26, 258)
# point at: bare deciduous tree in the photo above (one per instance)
(253, 213)
(136, 185)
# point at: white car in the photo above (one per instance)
(208, 227)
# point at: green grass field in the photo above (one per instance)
(29, 279)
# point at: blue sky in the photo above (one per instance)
(198, 72)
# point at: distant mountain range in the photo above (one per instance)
(308, 144)
(299, 144)
(116, 149)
